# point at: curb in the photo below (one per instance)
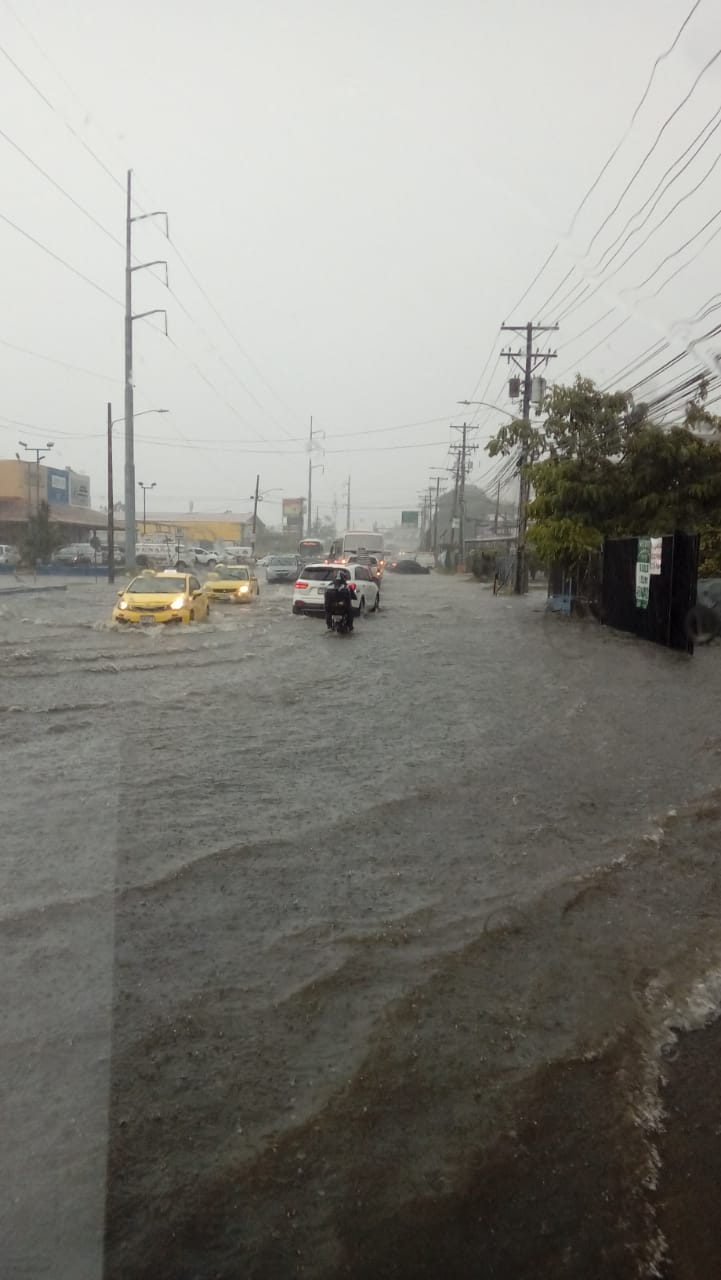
(24, 591)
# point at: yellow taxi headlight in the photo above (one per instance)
(123, 604)
(243, 590)
(178, 603)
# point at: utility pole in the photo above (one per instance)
(454, 510)
(462, 450)
(527, 361)
(111, 500)
(498, 508)
(435, 516)
(309, 508)
(130, 529)
(311, 469)
(255, 514)
(347, 509)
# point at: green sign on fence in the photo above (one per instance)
(643, 572)
(409, 517)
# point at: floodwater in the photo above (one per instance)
(368, 956)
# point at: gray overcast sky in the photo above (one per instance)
(364, 192)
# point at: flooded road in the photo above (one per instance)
(350, 956)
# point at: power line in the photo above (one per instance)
(639, 169)
(537, 276)
(81, 276)
(29, 81)
(591, 350)
(661, 58)
(715, 117)
(61, 189)
(227, 328)
(686, 196)
(64, 364)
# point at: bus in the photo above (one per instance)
(357, 542)
(310, 549)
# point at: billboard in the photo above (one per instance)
(293, 514)
(293, 507)
(409, 517)
(79, 489)
(58, 486)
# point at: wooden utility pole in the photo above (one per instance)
(435, 517)
(347, 510)
(527, 361)
(463, 449)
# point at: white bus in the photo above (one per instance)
(358, 542)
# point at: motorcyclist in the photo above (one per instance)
(339, 596)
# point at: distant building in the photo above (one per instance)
(195, 527)
(25, 485)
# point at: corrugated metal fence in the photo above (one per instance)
(671, 589)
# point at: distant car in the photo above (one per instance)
(314, 579)
(9, 555)
(281, 568)
(408, 566)
(232, 584)
(374, 564)
(76, 553)
(162, 597)
(201, 555)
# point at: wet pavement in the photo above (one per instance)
(353, 956)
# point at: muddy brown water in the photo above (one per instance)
(355, 956)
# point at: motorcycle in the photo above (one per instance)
(339, 622)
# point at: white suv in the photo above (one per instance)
(201, 555)
(314, 579)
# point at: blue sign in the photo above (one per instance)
(58, 487)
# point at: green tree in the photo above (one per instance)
(600, 467)
(42, 537)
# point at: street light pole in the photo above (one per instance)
(39, 453)
(111, 497)
(145, 488)
(255, 514)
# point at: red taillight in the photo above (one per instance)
(300, 586)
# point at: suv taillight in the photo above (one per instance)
(301, 585)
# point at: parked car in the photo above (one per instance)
(310, 588)
(76, 553)
(282, 568)
(9, 555)
(162, 597)
(407, 565)
(232, 584)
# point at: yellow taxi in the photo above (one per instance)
(233, 583)
(162, 597)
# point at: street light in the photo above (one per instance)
(145, 488)
(257, 497)
(42, 452)
(111, 499)
(513, 417)
(487, 405)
